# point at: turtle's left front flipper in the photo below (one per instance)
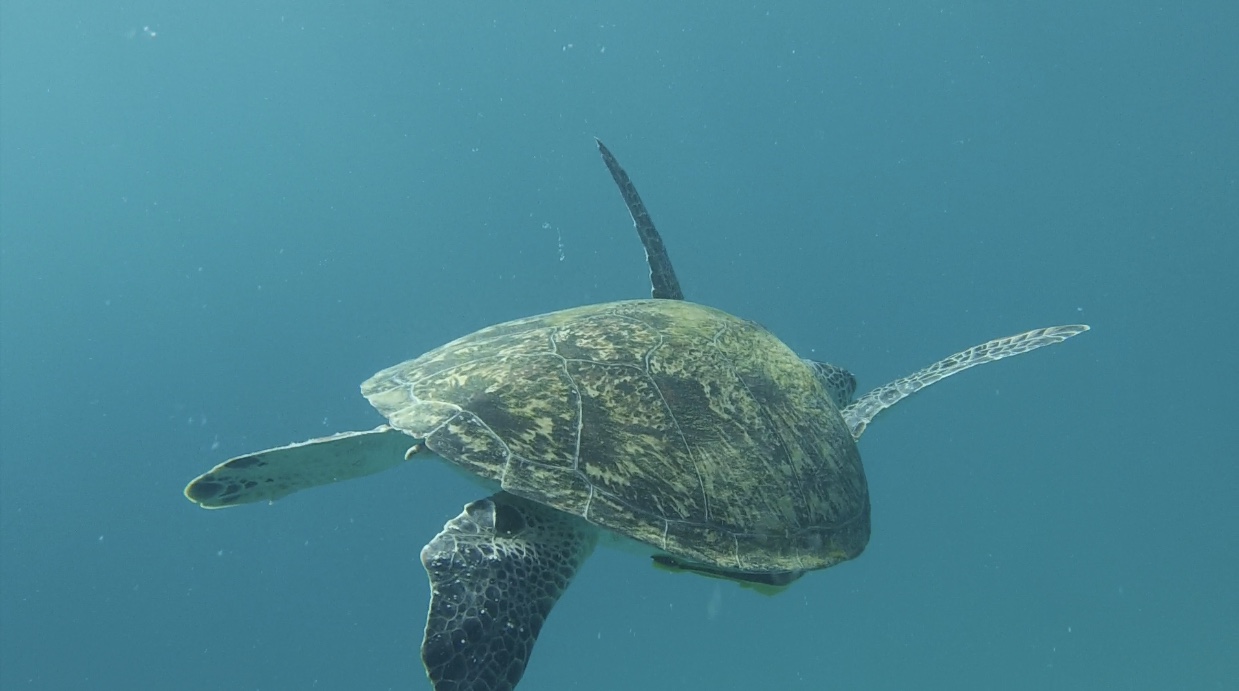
(496, 570)
(274, 473)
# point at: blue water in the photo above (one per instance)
(216, 221)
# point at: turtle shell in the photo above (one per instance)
(672, 423)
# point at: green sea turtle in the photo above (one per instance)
(665, 423)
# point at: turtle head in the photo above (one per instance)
(839, 383)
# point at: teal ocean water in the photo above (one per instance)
(216, 221)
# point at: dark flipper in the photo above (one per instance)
(662, 275)
(496, 571)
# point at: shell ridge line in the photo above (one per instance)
(765, 415)
(692, 524)
(662, 511)
(507, 450)
(416, 400)
(410, 384)
(580, 412)
(588, 502)
(701, 480)
(661, 515)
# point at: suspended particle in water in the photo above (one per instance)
(559, 238)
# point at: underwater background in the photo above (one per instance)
(217, 220)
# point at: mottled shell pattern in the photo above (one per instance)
(674, 424)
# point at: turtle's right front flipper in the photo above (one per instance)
(496, 570)
(859, 414)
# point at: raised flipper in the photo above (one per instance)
(274, 473)
(861, 413)
(839, 383)
(662, 275)
(495, 572)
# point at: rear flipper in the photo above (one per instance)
(496, 570)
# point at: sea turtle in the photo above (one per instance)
(673, 425)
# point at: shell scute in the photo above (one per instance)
(674, 424)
